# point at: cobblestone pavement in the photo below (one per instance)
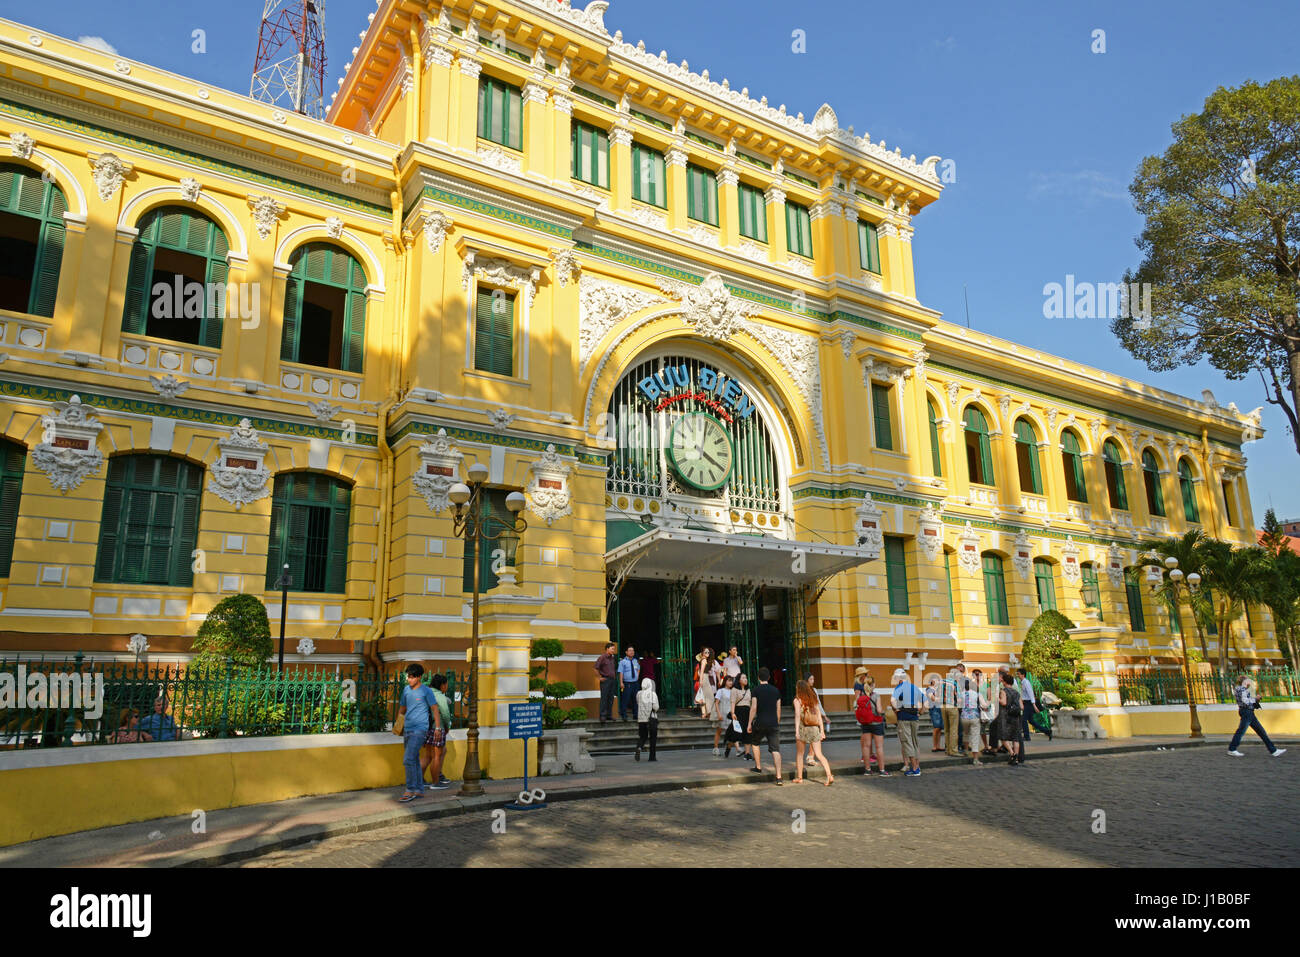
(1162, 809)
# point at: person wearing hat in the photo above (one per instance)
(873, 731)
(906, 702)
(860, 675)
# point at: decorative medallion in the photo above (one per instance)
(869, 535)
(21, 145)
(190, 188)
(333, 227)
(238, 475)
(548, 491)
(436, 226)
(1021, 558)
(266, 212)
(567, 266)
(1115, 566)
(500, 419)
(306, 647)
(323, 410)
(968, 549)
(68, 451)
(929, 532)
(169, 387)
(1070, 561)
(438, 471)
(710, 308)
(108, 172)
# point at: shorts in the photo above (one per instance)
(936, 718)
(907, 739)
(435, 737)
(877, 728)
(771, 735)
(808, 734)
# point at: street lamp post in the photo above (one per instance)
(285, 581)
(471, 525)
(1176, 584)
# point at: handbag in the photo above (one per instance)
(399, 724)
(809, 713)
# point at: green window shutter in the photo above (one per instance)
(880, 413)
(701, 195)
(149, 524)
(947, 567)
(1045, 585)
(500, 113)
(869, 246)
(798, 229)
(337, 569)
(1025, 437)
(1114, 476)
(1151, 478)
(1133, 590)
(1091, 587)
(275, 542)
(753, 213)
(1188, 489)
(354, 336)
(49, 258)
(648, 173)
(162, 511)
(986, 459)
(188, 529)
(213, 324)
(13, 462)
(292, 318)
(494, 333)
(896, 575)
(935, 458)
(995, 591)
(138, 279)
(1073, 462)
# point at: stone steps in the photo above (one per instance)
(681, 733)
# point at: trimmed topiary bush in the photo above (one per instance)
(237, 628)
(1056, 659)
(553, 715)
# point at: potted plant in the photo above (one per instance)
(562, 750)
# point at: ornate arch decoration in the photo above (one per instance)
(151, 199)
(24, 151)
(342, 237)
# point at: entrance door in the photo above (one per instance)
(677, 687)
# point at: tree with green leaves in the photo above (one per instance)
(1282, 592)
(539, 679)
(1190, 552)
(1221, 243)
(1272, 539)
(1055, 658)
(1239, 578)
(237, 628)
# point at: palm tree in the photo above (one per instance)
(1190, 552)
(1239, 578)
(1282, 596)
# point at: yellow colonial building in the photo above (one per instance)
(682, 321)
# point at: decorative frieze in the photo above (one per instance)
(867, 526)
(108, 172)
(238, 476)
(548, 492)
(169, 387)
(1021, 559)
(710, 308)
(601, 306)
(499, 272)
(1070, 570)
(929, 532)
(968, 549)
(68, 452)
(438, 470)
(266, 213)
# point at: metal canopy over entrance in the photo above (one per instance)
(695, 555)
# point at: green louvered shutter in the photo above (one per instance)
(187, 527)
(995, 590)
(355, 340)
(868, 246)
(896, 574)
(108, 532)
(48, 260)
(881, 417)
(275, 549)
(292, 318)
(1025, 437)
(494, 333)
(13, 461)
(162, 519)
(296, 542)
(138, 278)
(337, 570)
(935, 457)
(218, 272)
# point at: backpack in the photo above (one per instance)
(865, 711)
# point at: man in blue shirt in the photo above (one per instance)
(159, 725)
(419, 705)
(629, 680)
(907, 704)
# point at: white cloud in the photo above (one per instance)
(98, 43)
(1085, 183)
(948, 44)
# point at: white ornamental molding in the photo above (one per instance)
(919, 359)
(108, 172)
(710, 308)
(169, 387)
(1115, 566)
(68, 452)
(847, 338)
(1021, 559)
(306, 647)
(324, 410)
(239, 475)
(592, 18)
(1004, 408)
(968, 549)
(1070, 561)
(190, 189)
(953, 388)
(752, 251)
(439, 470)
(436, 226)
(601, 306)
(647, 217)
(548, 492)
(333, 227)
(567, 267)
(137, 644)
(500, 419)
(499, 272)
(800, 266)
(498, 158)
(870, 535)
(21, 144)
(1051, 420)
(800, 357)
(704, 236)
(929, 532)
(266, 213)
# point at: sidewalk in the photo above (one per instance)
(237, 833)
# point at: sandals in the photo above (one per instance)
(798, 781)
(829, 781)
(409, 796)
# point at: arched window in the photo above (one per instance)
(935, 458)
(995, 589)
(1076, 485)
(310, 514)
(1133, 592)
(1031, 476)
(13, 460)
(1045, 583)
(1188, 489)
(1151, 478)
(31, 240)
(150, 521)
(324, 309)
(176, 286)
(1115, 487)
(979, 457)
(1091, 588)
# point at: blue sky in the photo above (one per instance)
(1045, 134)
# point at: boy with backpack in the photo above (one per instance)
(871, 719)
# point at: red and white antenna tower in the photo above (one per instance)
(290, 65)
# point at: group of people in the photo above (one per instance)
(425, 713)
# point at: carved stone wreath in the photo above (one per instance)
(438, 471)
(499, 272)
(710, 308)
(68, 451)
(238, 476)
(548, 492)
(929, 532)
(968, 549)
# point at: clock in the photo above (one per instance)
(701, 451)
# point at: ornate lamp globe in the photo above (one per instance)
(1171, 562)
(1176, 575)
(478, 472)
(515, 502)
(459, 494)
(1194, 581)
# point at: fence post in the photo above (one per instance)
(70, 725)
(225, 701)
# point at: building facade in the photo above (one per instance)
(682, 321)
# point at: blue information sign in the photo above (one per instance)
(526, 720)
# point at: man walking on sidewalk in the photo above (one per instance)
(607, 671)
(951, 718)
(765, 722)
(1247, 705)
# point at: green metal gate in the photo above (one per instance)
(743, 618)
(796, 627)
(676, 685)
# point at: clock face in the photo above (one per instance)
(701, 451)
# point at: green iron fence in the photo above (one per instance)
(1170, 687)
(65, 705)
